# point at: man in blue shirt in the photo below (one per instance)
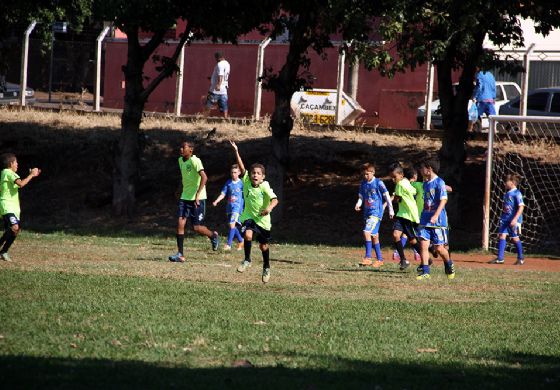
(485, 92)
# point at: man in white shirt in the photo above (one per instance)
(217, 94)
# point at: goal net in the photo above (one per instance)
(530, 147)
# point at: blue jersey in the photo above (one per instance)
(512, 200)
(434, 193)
(234, 195)
(372, 195)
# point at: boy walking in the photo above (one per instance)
(433, 221)
(511, 219)
(260, 199)
(233, 191)
(192, 202)
(372, 195)
(10, 183)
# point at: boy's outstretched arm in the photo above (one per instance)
(32, 173)
(238, 157)
(389, 205)
(273, 204)
(219, 199)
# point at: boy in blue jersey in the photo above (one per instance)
(433, 221)
(511, 219)
(233, 191)
(374, 197)
(192, 201)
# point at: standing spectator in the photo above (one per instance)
(217, 94)
(485, 92)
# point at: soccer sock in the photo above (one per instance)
(377, 248)
(501, 248)
(266, 258)
(403, 241)
(4, 237)
(519, 247)
(247, 247)
(180, 243)
(416, 247)
(11, 237)
(368, 249)
(238, 235)
(399, 247)
(231, 235)
(425, 269)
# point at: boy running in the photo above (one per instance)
(372, 195)
(511, 219)
(412, 176)
(259, 202)
(10, 183)
(433, 220)
(233, 191)
(407, 217)
(192, 202)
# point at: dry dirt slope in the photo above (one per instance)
(74, 151)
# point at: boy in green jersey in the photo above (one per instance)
(260, 199)
(10, 183)
(407, 217)
(192, 202)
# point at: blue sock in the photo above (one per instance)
(403, 241)
(368, 249)
(501, 248)
(425, 269)
(231, 235)
(519, 247)
(378, 252)
(238, 235)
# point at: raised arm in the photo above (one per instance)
(238, 157)
(32, 173)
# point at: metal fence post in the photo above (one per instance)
(487, 185)
(24, 60)
(97, 92)
(258, 81)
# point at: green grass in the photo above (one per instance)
(82, 312)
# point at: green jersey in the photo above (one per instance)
(256, 200)
(9, 193)
(191, 178)
(419, 186)
(407, 204)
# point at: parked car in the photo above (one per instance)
(9, 94)
(540, 102)
(505, 91)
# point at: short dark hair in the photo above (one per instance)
(514, 177)
(397, 169)
(7, 159)
(410, 172)
(367, 167)
(431, 163)
(218, 55)
(235, 166)
(257, 165)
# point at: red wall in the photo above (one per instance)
(395, 100)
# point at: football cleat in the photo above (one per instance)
(266, 275)
(177, 258)
(243, 266)
(496, 261)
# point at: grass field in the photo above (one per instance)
(111, 312)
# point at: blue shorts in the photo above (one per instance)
(505, 228)
(187, 209)
(10, 220)
(437, 236)
(220, 99)
(406, 226)
(233, 217)
(487, 108)
(262, 235)
(371, 225)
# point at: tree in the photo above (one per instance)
(450, 33)
(310, 25)
(218, 19)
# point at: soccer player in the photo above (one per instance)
(372, 195)
(433, 221)
(259, 202)
(233, 191)
(407, 216)
(10, 183)
(511, 219)
(412, 176)
(192, 202)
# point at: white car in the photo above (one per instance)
(505, 91)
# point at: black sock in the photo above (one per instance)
(11, 237)
(4, 237)
(247, 246)
(180, 243)
(400, 250)
(266, 258)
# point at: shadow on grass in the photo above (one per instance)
(520, 371)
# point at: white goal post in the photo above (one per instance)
(530, 147)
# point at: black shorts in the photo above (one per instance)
(187, 209)
(10, 220)
(406, 226)
(262, 235)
